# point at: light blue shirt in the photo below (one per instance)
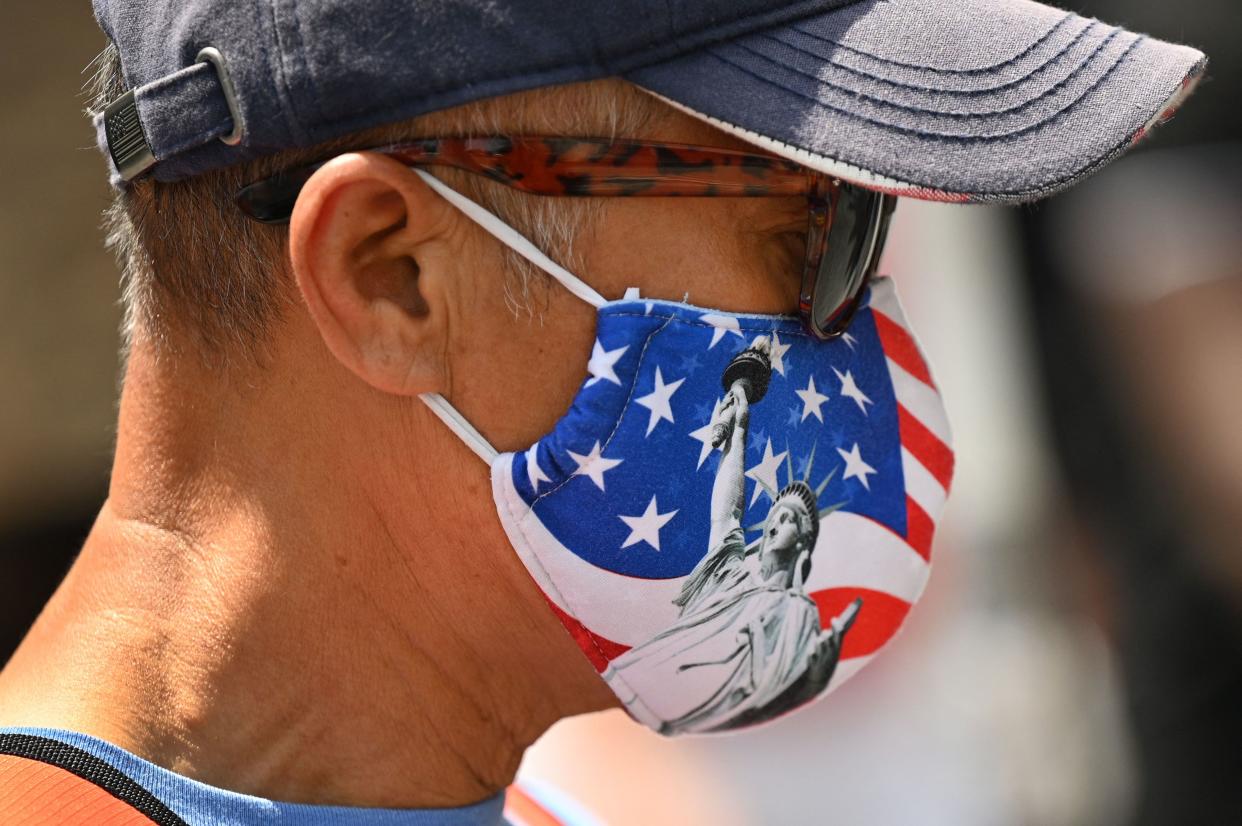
(201, 805)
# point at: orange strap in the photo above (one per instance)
(522, 810)
(38, 794)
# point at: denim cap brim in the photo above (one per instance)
(949, 100)
(957, 100)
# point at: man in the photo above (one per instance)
(297, 589)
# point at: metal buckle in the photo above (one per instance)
(210, 54)
(127, 143)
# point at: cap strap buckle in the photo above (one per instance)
(135, 147)
(127, 143)
(210, 54)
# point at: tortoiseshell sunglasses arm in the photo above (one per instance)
(568, 167)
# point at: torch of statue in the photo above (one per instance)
(753, 366)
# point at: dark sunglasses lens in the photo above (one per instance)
(271, 200)
(855, 240)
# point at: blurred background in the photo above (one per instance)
(1078, 656)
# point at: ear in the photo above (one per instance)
(370, 244)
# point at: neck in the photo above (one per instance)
(253, 609)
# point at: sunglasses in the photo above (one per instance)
(845, 234)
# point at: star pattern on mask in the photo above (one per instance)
(757, 437)
(657, 416)
(704, 437)
(849, 340)
(855, 467)
(659, 400)
(659, 421)
(646, 528)
(603, 363)
(801, 465)
(691, 362)
(593, 465)
(721, 324)
(849, 389)
(812, 400)
(534, 473)
(837, 436)
(764, 473)
(777, 351)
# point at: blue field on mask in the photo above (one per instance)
(663, 460)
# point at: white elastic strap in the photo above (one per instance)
(514, 240)
(458, 424)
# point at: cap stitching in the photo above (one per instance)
(943, 136)
(980, 70)
(1051, 90)
(944, 91)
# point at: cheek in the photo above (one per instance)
(707, 248)
(514, 376)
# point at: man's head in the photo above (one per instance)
(275, 371)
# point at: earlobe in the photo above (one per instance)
(367, 241)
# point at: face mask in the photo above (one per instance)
(733, 517)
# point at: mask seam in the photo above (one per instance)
(607, 308)
(706, 326)
(564, 600)
(560, 595)
(625, 405)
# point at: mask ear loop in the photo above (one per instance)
(458, 424)
(515, 241)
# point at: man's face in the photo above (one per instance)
(514, 377)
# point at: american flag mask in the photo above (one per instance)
(733, 517)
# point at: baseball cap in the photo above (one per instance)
(953, 100)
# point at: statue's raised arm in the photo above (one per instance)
(729, 430)
(745, 382)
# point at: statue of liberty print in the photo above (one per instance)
(748, 643)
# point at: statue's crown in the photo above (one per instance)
(801, 492)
